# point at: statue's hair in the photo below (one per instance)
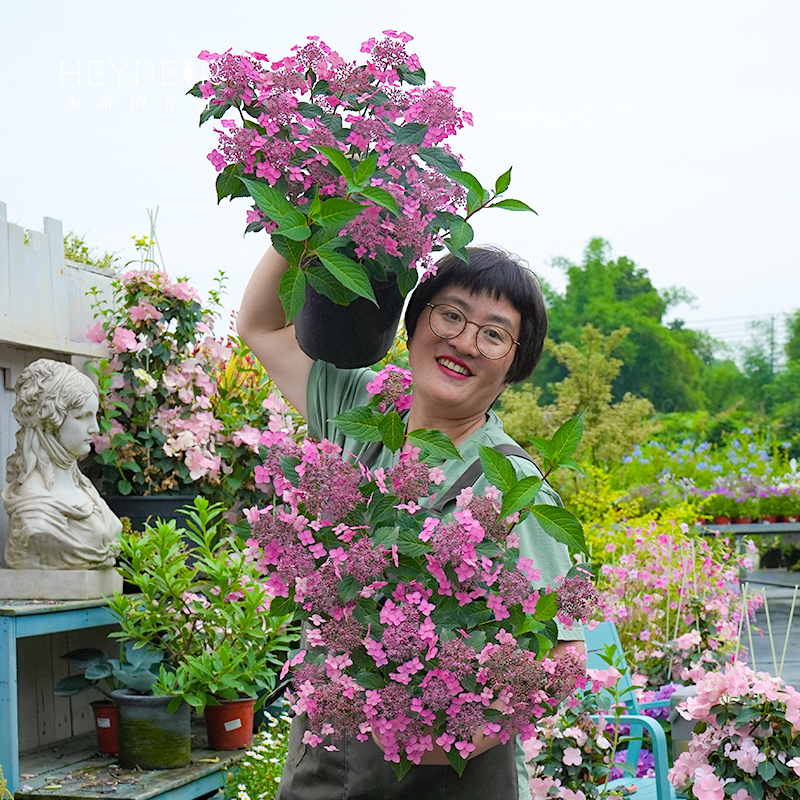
(46, 392)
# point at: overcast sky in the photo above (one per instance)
(671, 129)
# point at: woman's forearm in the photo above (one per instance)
(261, 323)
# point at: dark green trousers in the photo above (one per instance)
(358, 771)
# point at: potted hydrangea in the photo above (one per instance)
(746, 740)
(433, 628)
(351, 173)
(181, 410)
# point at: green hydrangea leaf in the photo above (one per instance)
(512, 205)
(362, 423)
(439, 159)
(294, 226)
(269, 200)
(561, 525)
(336, 212)
(292, 292)
(380, 197)
(503, 182)
(393, 430)
(338, 161)
(521, 495)
(323, 282)
(434, 444)
(347, 272)
(468, 180)
(498, 469)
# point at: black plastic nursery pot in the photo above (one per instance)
(150, 737)
(148, 509)
(351, 336)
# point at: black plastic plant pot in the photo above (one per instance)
(148, 509)
(352, 336)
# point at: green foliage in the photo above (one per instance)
(793, 343)
(95, 666)
(4, 793)
(76, 249)
(660, 363)
(612, 429)
(201, 600)
(257, 774)
(589, 726)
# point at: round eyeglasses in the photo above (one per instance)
(448, 322)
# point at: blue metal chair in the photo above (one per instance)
(657, 788)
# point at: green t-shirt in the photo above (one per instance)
(332, 390)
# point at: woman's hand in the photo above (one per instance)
(438, 756)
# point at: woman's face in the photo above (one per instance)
(451, 374)
(75, 433)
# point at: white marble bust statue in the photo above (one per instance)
(57, 520)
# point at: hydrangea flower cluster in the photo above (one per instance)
(685, 617)
(353, 155)
(180, 408)
(746, 743)
(420, 631)
(574, 750)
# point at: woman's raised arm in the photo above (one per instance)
(262, 325)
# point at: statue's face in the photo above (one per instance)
(75, 433)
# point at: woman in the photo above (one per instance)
(57, 520)
(472, 330)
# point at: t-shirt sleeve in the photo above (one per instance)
(330, 391)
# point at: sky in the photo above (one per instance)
(670, 129)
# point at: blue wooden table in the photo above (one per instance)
(19, 619)
(73, 768)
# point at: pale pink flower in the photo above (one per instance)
(572, 756)
(95, 333)
(706, 785)
(124, 340)
(181, 290)
(248, 436)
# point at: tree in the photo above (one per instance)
(793, 344)
(661, 363)
(611, 429)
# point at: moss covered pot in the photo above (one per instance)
(150, 737)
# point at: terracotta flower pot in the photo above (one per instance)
(230, 724)
(722, 521)
(106, 723)
(356, 335)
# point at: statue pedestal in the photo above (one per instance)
(58, 584)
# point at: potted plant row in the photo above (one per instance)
(199, 599)
(771, 504)
(134, 672)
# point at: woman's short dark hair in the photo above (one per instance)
(498, 273)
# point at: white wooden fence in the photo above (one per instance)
(44, 312)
